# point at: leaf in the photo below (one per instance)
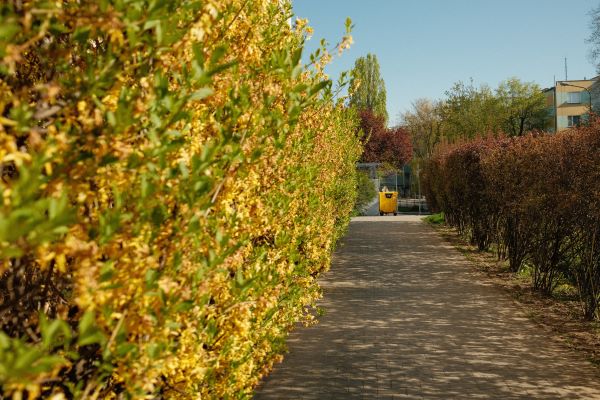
(184, 306)
(201, 94)
(4, 341)
(348, 25)
(8, 29)
(27, 358)
(217, 54)
(88, 332)
(319, 86)
(154, 350)
(54, 333)
(296, 56)
(158, 215)
(107, 271)
(198, 51)
(152, 276)
(11, 252)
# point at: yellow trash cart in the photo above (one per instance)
(388, 203)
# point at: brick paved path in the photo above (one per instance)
(404, 318)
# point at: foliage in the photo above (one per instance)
(468, 112)
(367, 88)
(173, 184)
(535, 198)
(435, 219)
(384, 145)
(424, 124)
(522, 106)
(366, 191)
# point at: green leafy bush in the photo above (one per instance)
(366, 191)
(171, 191)
(435, 219)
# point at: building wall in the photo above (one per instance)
(564, 109)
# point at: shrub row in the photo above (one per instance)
(534, 199)
(173, 181)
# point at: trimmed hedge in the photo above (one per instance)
(534, 199)
(174, 181)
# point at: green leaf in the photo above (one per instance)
(296, 56)
(8, 30)
(201, 94)
(152, 276)
(11, 252)
(319, 86)
(147, 186)
(217, 54)
(154, 350)
(158, 215)
(184, 306)
(107, 271)
(54, 333)
(88, 332)
(124, 349)
(197, 49)
(4, 341)
(27, 358)
(177, 259)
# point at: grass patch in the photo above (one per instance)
(525, 272)
(435, 219)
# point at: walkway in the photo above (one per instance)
(405, 318)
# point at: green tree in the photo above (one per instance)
(424, 124)
(513, 108)
(522, 106)
(367, 88)
(469, 111)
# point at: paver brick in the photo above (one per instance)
(405, 318)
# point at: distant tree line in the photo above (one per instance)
(467, 111)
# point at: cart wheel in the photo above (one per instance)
(395, 214)
(381, 213)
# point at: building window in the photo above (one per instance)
(574, 120)
(574, 97)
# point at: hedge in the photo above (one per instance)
(534, 199)
(174, 181)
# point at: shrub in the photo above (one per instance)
(171, 190)
(366, 191)
(391, 146)
(435, 219)
(535, 197)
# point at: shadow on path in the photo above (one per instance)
(405, 318)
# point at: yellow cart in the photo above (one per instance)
(388, 203)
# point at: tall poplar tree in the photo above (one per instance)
(367, 88)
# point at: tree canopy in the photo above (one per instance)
(390, 146)
(522, 106)
(467, 112)
(367, 88)
(424, 122)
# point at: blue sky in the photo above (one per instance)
(424, 46)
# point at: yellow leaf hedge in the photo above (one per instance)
(173, 182)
